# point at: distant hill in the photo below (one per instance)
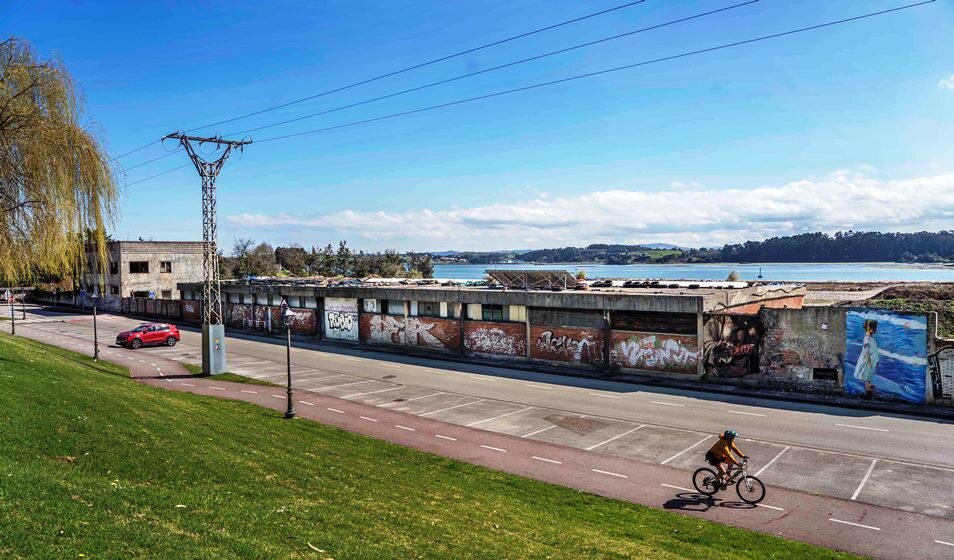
(664, 246)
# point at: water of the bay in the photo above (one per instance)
(771, 272)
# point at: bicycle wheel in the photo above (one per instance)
(750, 489)
(706, 481)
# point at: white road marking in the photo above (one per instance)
(769, 464)
(770, 507)
(150, 363)
(943, 542)
(280, 396)
(678, 488)
(336, 410)
(493, 448)
(342, 385)
(372, 392)
(592, 447)
(414, 399)
(445, 437)
(605, 396)
(684, 450)
(855, 524)
(308, 403)
(404, 428)
(864, 480)
(862, 428)
(187, 384)
(539, 431)
(538, 386)
(667, 403)
(745, 413)
(452, 407)
(546, 460)
(368, 419)
(352, 358)
(499, 417)
(386, 364)
(610, 473)
(142, 361)
(217, 388)
(247, 391)
(480, 378)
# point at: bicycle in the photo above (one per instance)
(750, 489)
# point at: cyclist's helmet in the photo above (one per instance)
(730, 435)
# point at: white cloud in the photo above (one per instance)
(688, 215)
(947, 83)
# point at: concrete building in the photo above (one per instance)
(137, 268)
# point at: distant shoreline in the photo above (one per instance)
(884, 264)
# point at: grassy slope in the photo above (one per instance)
(93, 463)
(933, 298)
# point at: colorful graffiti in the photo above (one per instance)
(885, 354)
(562, 344)
(341, 319)
(654, 351)
(442, 334)
(731, 345)
(501, 339)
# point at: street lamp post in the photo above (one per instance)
(13, 319)
(95, 299)
(286, 320)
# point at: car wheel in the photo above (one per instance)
(171, 341)
(136, 344)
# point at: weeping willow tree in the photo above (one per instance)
(57, 191)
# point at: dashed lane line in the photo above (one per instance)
(414, 399)
(610, 473)
(769, 464)
(746, 413)
(538, 386)
(854, 524)
(864, 480)
(279, 396)
(776, 508)
(445, 437)
(664, 403)
(499, 417)
(492, 448)
(217, 388)
(452, 407)
(247, 391)
(614, 438)
(336, 410)
(684, 450)
(862, 428)
(678, 488)
(605, 396)
(308, 403)
(373, 392)
(540, 431)
(404, 428)
(544, 459)
(945, 543)
(187, 384)
(368, 419)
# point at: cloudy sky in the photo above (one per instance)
(845, 127)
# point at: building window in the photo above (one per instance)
(140, 294)
(114, 290)
(429, 308)
(492, 313)
(114, 267)
(138, 267)
(166, 294)
(395, 307)
(165, 267)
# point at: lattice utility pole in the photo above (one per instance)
(213, 328)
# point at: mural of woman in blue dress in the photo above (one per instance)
(885, 354)
(868, 359)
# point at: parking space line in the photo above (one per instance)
(316, 389)
(610, 473)
(414, 399)
(368, 419)
(667, 403)
(445, 437)
(605, 396)
(745, 413)
(769, 464)
(864, 480)
(373, 392)
(854, 524)
(678, 488)
(541, 430)
(452, 407)
(684, 450)
(614, 438)
(546, 460)
(862, 428)
(404, 428)
(499, 417)
(493, 448)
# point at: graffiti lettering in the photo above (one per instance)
(654, 352)
(566, 346)
(340, 321)
(492, 341)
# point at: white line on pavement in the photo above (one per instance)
(499, 417)
(864, 480)
(336, 410)
(280, 396)
(404, 428)
(769, 464)
(342, 385)
(667, 403)
(614, 438)
(546, 460)
(538, 386)
(217, 388)
(493, 448)
(770, 507)
(414, 399)
(855, 524)
(677, 487)
(610, 473)
(368, 419)
(386, 364)
(943, 542)
(445, 437)
(862, 427)
(605, 396)
(187, 384)
(541, 430)
(247, 391)
(684, 450)
(452, 407)
(308, 403)
(745, 413)
(372, 392)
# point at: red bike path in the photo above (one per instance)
(865, 529)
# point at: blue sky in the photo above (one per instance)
(844, 127)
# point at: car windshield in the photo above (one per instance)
(140, 328)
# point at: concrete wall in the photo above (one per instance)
(799, 341)
(341, 319)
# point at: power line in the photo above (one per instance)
(582, 76)
(494, 68)
(127, 185)
(151, 160)
(401, 71)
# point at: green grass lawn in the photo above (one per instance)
(95, 465)
(227, 376)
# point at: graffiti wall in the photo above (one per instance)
(654, 351)
(238, 315)
(303, 321)
(498, 339)
(427, 332)
(341, 319)
(191, 310)
(885, 354)
(942, 373)
(732, 345)
(561, 344)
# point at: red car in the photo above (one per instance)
(148, 334)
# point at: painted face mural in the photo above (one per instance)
(885, 354)
(732, 344)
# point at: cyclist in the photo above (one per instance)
(721, 454)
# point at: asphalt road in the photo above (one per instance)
(894, 461)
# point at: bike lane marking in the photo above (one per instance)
(677, 455)
(493, 448)
(677, 487)
(943, 542)
(544, 459)
(864, 480)
(769, 464)
(854, 524)
(610, 473)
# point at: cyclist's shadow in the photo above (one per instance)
(695, 501)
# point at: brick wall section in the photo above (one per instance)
(566, 344)
(655, 351)
(496, 339)
(424, 332)
(191, 311)
(791, 302)
(799, 340)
